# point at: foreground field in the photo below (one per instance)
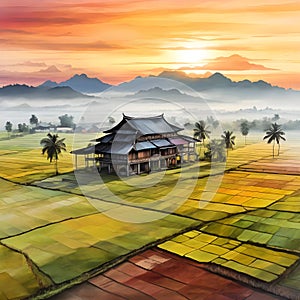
(243, 222)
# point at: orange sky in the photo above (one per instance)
(117, 40)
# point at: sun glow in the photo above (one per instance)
(191, 56)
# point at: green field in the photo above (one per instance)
(55, 233)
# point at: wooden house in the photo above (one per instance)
(139, 145)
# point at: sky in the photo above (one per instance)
(117, 40)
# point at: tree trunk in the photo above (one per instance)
(273, 148)
(56, 167)
(245, 140)
(278, 149)
(200, 152)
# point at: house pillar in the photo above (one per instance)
(194, 151)
(138, 168)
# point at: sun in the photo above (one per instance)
(191, 56)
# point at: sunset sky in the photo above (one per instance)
(116, 40)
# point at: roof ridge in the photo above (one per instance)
(150, 117)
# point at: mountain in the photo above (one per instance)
(41, 92)
(157, 91)
(20, 107)
(216, 89)
(217, 81)
(145, 83)
(80, 83)
(167, 94)
(49, 83)
(220, 88)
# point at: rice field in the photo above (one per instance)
(242, 217)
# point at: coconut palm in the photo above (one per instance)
(53, 146)
(274, 133)
(228, 138)
(201, 132)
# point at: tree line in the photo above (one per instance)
(23, 128)
(217, 149)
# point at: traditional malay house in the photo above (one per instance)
(139, 145)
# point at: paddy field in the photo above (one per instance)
(240, 220)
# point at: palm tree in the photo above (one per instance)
(53, 147)
(228, 139)
(201, 132)
(274, 133)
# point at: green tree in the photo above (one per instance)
(276, 117)
(8, 128)
(23, 127)
(201, 132)
(213, 122)
(53, 146)
(20, 129)
(274, 133)
(33, 120)
(66, 121)
(216, 150)
(245, 127)
(228, 138)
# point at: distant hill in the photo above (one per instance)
(80, 83)
(145, 83)
(170, 85)
(157, 91)
(30, 92)
(221, 88)
(20, 107)
(169, 94)
(216, 81)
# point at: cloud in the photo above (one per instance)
(37, 77)
(61, 46)
(51, 69)
(14, 31)
(32, 64)
(231, 63)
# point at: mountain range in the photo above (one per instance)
(40, 92)
(80, 83)
(167, 84)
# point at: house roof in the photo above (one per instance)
(145, 126)
(122, 138)
(144, 146)
(178, 141)
(114, 148)
(87, 150)
(161, 143)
